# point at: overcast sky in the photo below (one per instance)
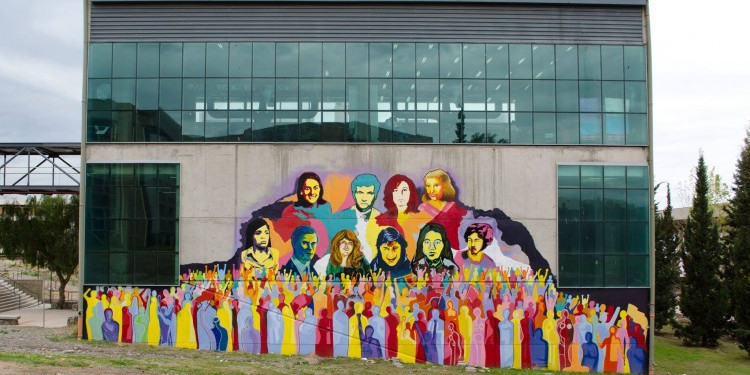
(701, 79)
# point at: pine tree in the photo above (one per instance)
(667, 265)
(738, 244)
(703, 299)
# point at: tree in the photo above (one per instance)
(43, 233)
(703, 297)
(738, 247)
(667, 265)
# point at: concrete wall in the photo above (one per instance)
(222, 183)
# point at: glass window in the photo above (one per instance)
(148, 60)
(264, 59)
(170, 93)
(475, 127)
(635, 63)
(334, 59)
(428, 127)
(570, 242)
(217, 59)
(100, 60)
(520, 61)
(567, 128)
(123, 94)
(217, 94)
(569, 205)
(637, 237)
(450, 60)
(474, 95)
(170, 126)
(497, 96)
(637, 177)
(592, 273)
(357, 60)
(382, 120)
(615, 241)
(544, 95)
(216, 126)
(193, 94)
(497, 61)
(427, 60)
(569, 270)
(567, 96)
(544, 61)
(334, 94)
(240, 126)
(287, 90)
(263, 122)
(568, 176)
(147, 94)
(591, 128)
(286, 128)
(123, 60)
(520, 95)
(451, 95)
(404, 60)
(193, 127)
(381, 94)
(100, 94)
(592, 235)
(428, 95)
(498, 127)
(612, 92)
(566, 61)
(473, 61)
(521, 128)
(614, 177)
(638, 272)
(612, 61)
(310, 94)
(240, 94)
(638, 205)
(264, 94)
(240, 59)
(589, 62)
(592, 204)
(615, 270)
(544, 128)
(380, 59)
(122, 126)
(636, 128)
(590, 96)
(287, 60)
(450, 127)
(614, 204)
(312, 55)
(170, 60)
(405, 127)
(614, 129)
(404, 94)
(357, 94)
(194, 60)
(635, 97)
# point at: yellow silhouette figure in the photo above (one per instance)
(185, 337)
(465, 329)
(355, 342)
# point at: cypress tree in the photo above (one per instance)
(738, 243)
(703, 298)
(667, 265)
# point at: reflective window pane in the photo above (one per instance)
(520, 95)
(148, 60)
(450, 60)
(590, 96)
(612, 61)
(612, 92)
(566, 61)
(123, 60)
(357, 94)
(404, 60)
(357, 60)
(147, 94)
(264, 59)
(567, 128)
(498, 127)
(544, 95)
(591, 176)
(636, 128)
(428, 127)
(520, 61)
(217, 94)
(264, 91)
(589, 62)
(170, 93)
(614, 204)
(99, 94)
(287, 90)
(428, 95)
(614, 129)
(193, 94)
(614, 177)
(544, 128)
(544, 61)
(451, 95)
(334, 59)
(287, 60)
(404, 94)
(474, 95)
(123, 94)
(334, 94)
(170, 60)
(240, 59)
(638, 205)
(569, 205)
(473, 61)
(567, 96)
(591, 128)
(380, 59)
(521, 128)
(635, 63)
(312, 55)
(635, 97)
(497, 61)
(637, 178)
(240, 94)
(310, 94)
(194, 60)
(381, 92)
(497, 95)
(568, 176)
(100, 60)
(427, 60)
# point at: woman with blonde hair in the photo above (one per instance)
(346, 256)
(439, 202)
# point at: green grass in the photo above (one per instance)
(674, 358)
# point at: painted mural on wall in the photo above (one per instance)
(348, 266)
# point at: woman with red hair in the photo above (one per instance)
(401, 201)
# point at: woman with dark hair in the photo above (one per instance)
(346, 256)
(439, 203)
(391, 258)
(309, 207)
(309, 190)
(401, 201)
(258, 254)
(433, 250)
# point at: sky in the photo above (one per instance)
(700, 77)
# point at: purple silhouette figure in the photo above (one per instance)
(110, 328)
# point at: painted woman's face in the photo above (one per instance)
(432, 246)
(401, 196)
(391, 253)
(434, 188)
(311, 191)
(261, 237)
(346, 247)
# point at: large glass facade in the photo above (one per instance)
(603, 226)
(367, 92)
(132, 224)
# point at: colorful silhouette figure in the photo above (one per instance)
(590, 353)
(324, 335)
(110, 328)
(539, 349)
(221, 335)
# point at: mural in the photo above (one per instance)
(417, 275)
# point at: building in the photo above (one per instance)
(507, 143)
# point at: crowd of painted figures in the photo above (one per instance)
(494, 318)
(421, 281)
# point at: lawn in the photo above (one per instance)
(673, 358)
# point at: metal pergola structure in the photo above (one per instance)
(40, 168)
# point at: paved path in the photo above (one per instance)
(51, 318)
